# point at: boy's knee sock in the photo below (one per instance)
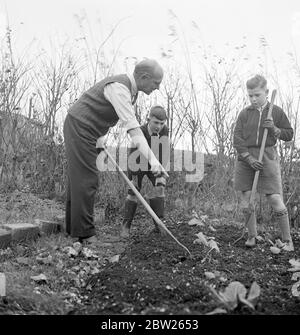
(283, 221)
(250, 220)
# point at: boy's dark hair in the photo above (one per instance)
(158, 112)
(256, 81)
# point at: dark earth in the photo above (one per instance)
(154, 275)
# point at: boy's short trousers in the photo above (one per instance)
(269, 181)
(138, 178)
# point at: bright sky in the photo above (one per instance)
(144, 24)
(145, 28)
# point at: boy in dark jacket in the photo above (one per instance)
(248, 135)
(157, 135)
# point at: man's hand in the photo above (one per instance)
(100, 144)
(158, 170)
(269, 124)
(160, 181)
(101, 161)
(254, 163)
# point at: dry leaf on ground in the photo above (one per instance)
(40, 278)
(115, 259)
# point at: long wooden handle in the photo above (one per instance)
(261, 151)
(143, 201)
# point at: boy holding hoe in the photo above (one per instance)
(156, 134)
(248, 134)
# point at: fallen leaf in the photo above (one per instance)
(77, 246)
(88, 253)
(40, 278)
(213, 245)
(195, 214)
(212, 228)
(217, 311)
(204, 217)
(275, 250)
(115, 259)
(201, 239)
(295, 262)
(223, 279)
(215, 221)
(296, 276)
(295, 291)
(234, 291)
(71, 252)
(209, 275)
(278, 243)
(195, 222)
(254, 292)
(94, 271)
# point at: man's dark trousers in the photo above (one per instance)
(82, 184)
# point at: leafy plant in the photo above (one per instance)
(235, 294)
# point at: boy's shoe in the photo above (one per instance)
(250, 243)
(125, 231)
(288, 246)
(130, 209)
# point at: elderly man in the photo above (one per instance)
(89, 119)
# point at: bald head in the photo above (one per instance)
(148, 66)
(148, 75)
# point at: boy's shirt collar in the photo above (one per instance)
(149, 130)
(263, 106)
(260, 109)
(152, 133)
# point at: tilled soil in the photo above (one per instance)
(154, 275)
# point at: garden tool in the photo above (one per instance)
(160, 224)
(250, 221)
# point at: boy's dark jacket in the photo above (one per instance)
(248, 130)
(164, 147)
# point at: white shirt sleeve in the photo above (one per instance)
(119, 96)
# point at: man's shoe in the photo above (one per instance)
(88, 240)
(250, 243)
(288, 246)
